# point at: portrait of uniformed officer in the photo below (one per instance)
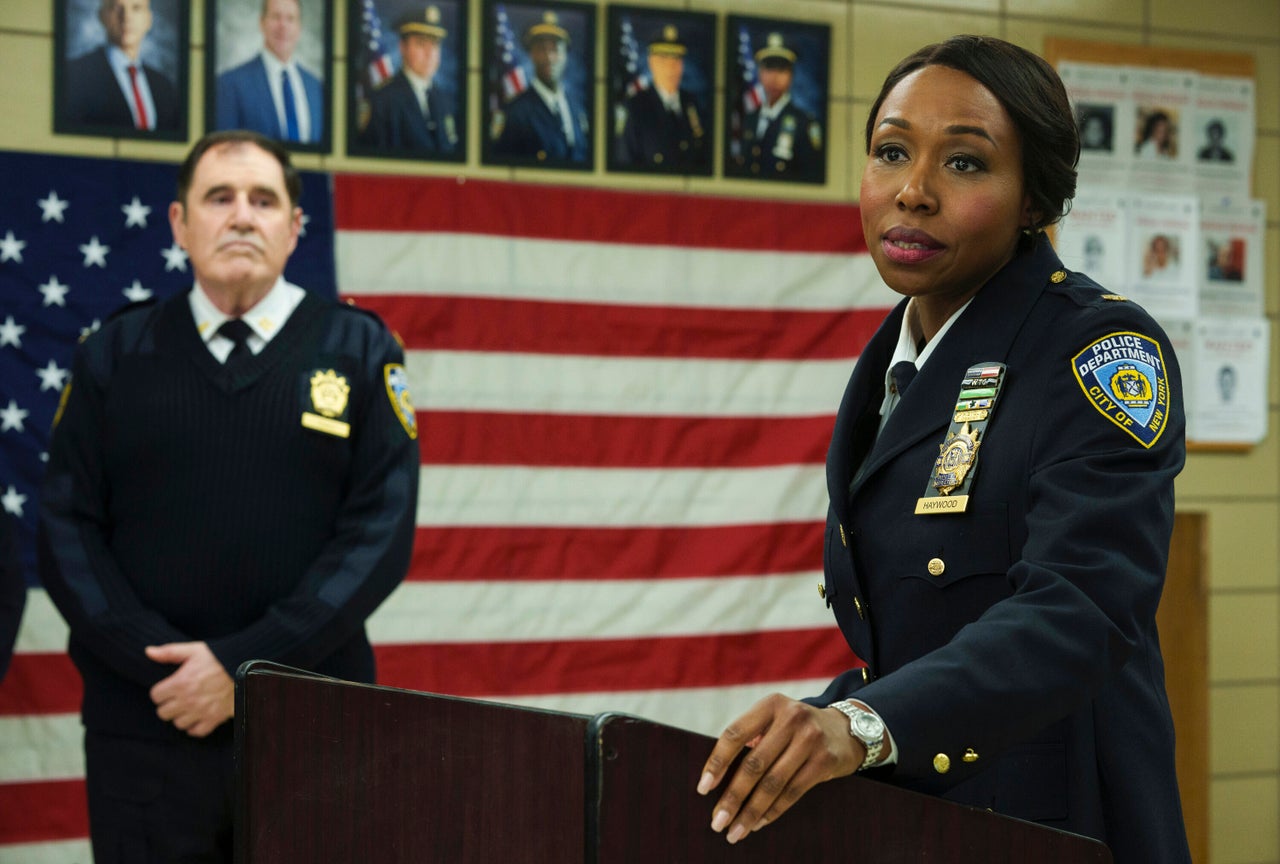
(780, 138)
(545, 122)
(410, 114)
(663, 127)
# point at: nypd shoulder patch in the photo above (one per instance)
(397, 381)
(1123, 376)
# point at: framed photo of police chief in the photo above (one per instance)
(539, 96)
(120, 68)
(775, 115)
(268, 69)
(407, 82)
(661, 90)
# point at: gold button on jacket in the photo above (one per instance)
(936, 567)
(942, 763)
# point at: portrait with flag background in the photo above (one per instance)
(509, 72)
(624, 402)
(235, 41)
(634, 109)
(373, 52)
(793, 145)
(86, 98)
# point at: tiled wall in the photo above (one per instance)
(1240, 492)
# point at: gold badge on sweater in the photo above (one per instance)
(329, 393)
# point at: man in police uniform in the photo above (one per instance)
(409, 113)
(780, 140)
(661, 128)
(541, 123)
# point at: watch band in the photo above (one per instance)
(867, 727)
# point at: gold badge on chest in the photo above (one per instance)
(329, 394)
(953, 470)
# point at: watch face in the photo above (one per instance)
(868, 726)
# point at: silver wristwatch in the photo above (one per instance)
(866, 727)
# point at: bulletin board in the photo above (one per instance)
(1198, 380)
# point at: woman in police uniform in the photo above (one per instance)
(1001, 492)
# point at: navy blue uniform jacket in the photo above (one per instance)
(532, 131)
(396, 121)
(1031, 661)
(660, 140)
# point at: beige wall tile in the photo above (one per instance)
(1244, 721)
(1266, 175)
(1219, 475)
(1242, 816)
(32, 17)
(1115, 12)
(1249, 19)
(959, 5)
(1244, 644)
(883, 35)
(1239, 554)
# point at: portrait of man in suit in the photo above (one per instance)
(775, 110)
(117, 78)
(662, 113)
(538, 69)
(267, 69)
(409, 114)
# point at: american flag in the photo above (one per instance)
(634, 77)
(508, 79)
(377, 59)
(749, 93)
(624, 401)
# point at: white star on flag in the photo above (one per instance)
(135, 213)
(11, 248)
(11, 417)
(52, 376)
(55, 293)
(52, 207)
(94, 252)
(13, 501)
(11, 332)
(136, 292)
(175, 258)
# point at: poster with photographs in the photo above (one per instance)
(1093, 237)
(1100, 98)
(775, 116)
(120, 68)
(538, 73)
(1232, 276)
(1221, 126)
(1161, 100)
(661, 91)
(1163, 251)
(407, 82)
(1229, 361)
(267, 68)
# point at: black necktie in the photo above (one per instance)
(238, 332)
(902, 373)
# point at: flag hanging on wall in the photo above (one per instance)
(624, 403)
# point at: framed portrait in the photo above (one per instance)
(407, 80)
(539, 99)
(120, 68)
(661, 90)
(268, 68)
(775, 116)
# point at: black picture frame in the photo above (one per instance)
(791, 147)
(89, 100)
(384, 119)
(518, 129)
(644, 136)
(236, 94)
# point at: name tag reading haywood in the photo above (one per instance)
(953, 470)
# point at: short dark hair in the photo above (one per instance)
(1033, 95)
(292, 180)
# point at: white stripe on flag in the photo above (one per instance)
(41, 747)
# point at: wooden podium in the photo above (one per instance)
(341, 773)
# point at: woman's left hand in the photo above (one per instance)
(793, 747)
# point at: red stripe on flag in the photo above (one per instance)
(40, 684)
(497, 438)
(476, 553)
(542, 327)
(390, 203)
(603, 665)
(42, 812)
